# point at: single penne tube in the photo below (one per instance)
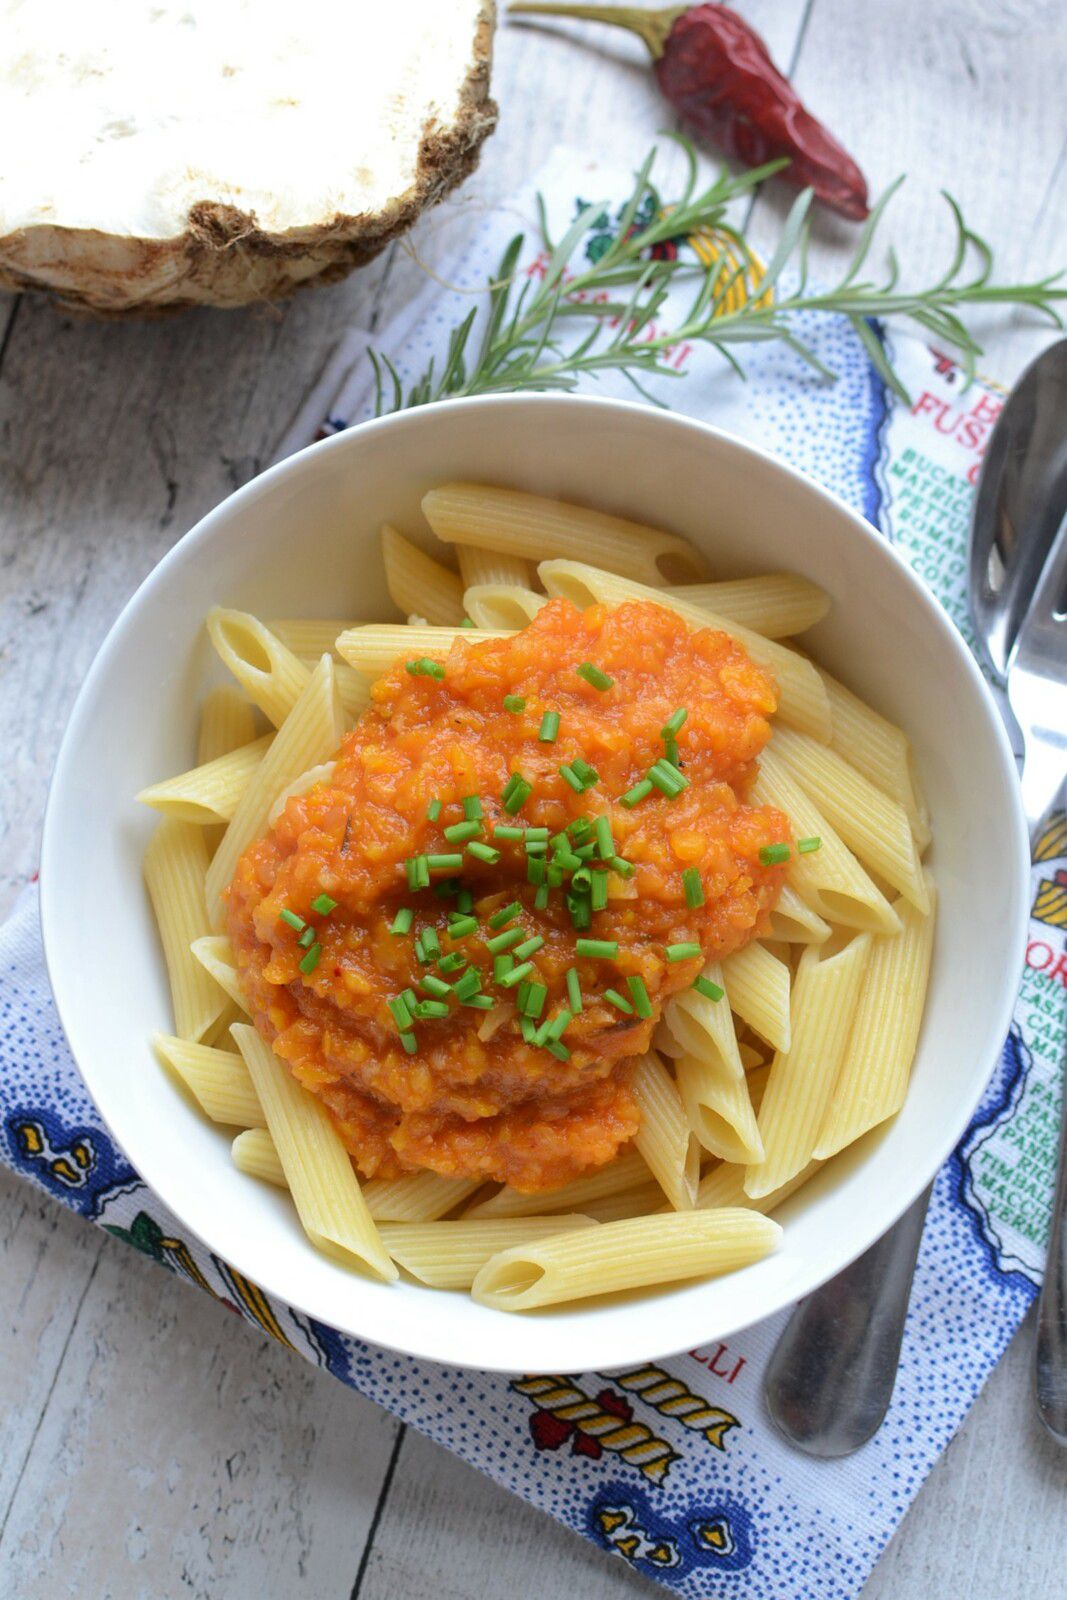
(757, 988)
(317, 1167)
(873, 826)
(724, 1185)
(417, 583)
(794, 922)
(718, 1109)
(417, 1196)
(500, 605)
(322, 772)
(311, 637)
(374, 647)
(227, 722)
(269, 673)
(310, 734)
(696, 1025)
(776, 605)
(633, 1254)
(532, 527)
(639, 1202)
(665, 1139)
(353, 688)
(801, 1080)
(254, 1153)
(878, 749)
(448, 1255)
(174, 866)
(828, 879)
(209, 793)
(873, 1080)
(214, 952)
(802, 700)
(477, 566)
(627, 1171)
(217, 1079)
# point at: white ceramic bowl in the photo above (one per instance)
(303, 539)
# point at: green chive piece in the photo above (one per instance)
(694, 889)
(549, 727)
(292, 919)
(667, 779)
(533, 1003)
(462, 927)
(605, 844)
(433, 810)
(401, 923)
(306, 939)
(582, 880)
(772, 855)
(560, 1022)
(468, 984)
(536, 835)
(585, 852)
(472, 807)
(502, 965)
(614, 998)
(574, 990)
(535, 870)
(670, 752)
(806, 846)
(503, 831)
(503, 941)
(674, 724)
(460, 832)
(554, 875)
(592, 674)
(557, 1048)
(516, 975)
(579, 828)
(536, 847)
(413, 869)
(431, 1008)
(467, 623)
(624, 868)
(516, 794)
(402, 1012)
(409, 1042)
(425, 668)
(569, 775)
(541, 897)
(483, 852)
(589, 775)
(444, 863)
(568, 860)
(514, 702)
(435, 986)
(465, 902)
(447, 889)
(311, 960)
(705, 986)
(579, 908)
(684, 951)
(600, 949)
(480, 1002)
(430, 943)
(454, 962)
(528, 947)
(420, 952)
(521, 995)
(639, 996)
(598, 897)
(528, 1029)
(505, 914)
(634, 796)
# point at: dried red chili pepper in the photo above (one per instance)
(718, 73)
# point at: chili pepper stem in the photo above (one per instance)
(652, 26)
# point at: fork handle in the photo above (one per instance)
(1050, 1360)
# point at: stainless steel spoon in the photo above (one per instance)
(829, 1383)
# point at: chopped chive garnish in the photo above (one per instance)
(516, 975)
(557, 1048)
(554, 875)
(634, 796)
(462, 927)
(574, 990)
(431, 1008)
(435, 986)
(306, 939)
(520, 995)
(430, 943)
(323, 904)
(503, 941)
(505, 914)
(614, 998)
(705, 986)
(467, 623)
(469, 984)
(514, 702)
(589, 775)
(454, 962)
(536, 847)
(460, 832)
(536, 834)
(567, 860)
(503, 831)
(425, 668)
(401, 923)
(579, 828)
(541, 897)
(464, 902)
(409, 1042)
(447, 889)
(516, 794)
(528, 1029)
(528, 947)
(592, 674)
(600, 949)
(639, 996)
(502, 965)
(605, 844)
(483, 852)
(667, 779)
(549, 727)
(292, 919)
(684, 951)
(402, 1012)
(772, 855)
(444, 863)
(585, 852)
(579, 908)
(694, 889)
(582, 880)
(418, 871)
(624, 868)
(569, 775)
(598, 896)
(535, 870)
(670, 752)
(311, 960)
(674, 724)
(557, 1026)
(479, 1002)
(532, 1003)
(806, 846)
(472, 807)
(420, 953)
(433, 810)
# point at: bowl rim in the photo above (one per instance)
(607, 1347)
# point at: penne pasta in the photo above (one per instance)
(724, 1185)
(801, 1081)
(878, 749)
(757, 988)
(794, 922)
(502, 606)
(270, 674)
(374, 647)
(625, 1172)
(310, 637)
(719, 1109)
(253, 1153)
(417, 1196)
(639, 1202)
(174, 866)
(532, 527)
(633, 1254)
(310, 734)
(874, 827)
(777, 605)
(214, 952)
(217, 1079)
(873, 1080)
(317, 1167)
(321, 773)
(802, 699)
(665, 1139)
(448, 1255)
(417, 583)
(211, 792)
(477, 566)
(227, 721)
(231, 1012)
(696, 1025)
(829, 879)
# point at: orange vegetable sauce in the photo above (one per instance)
(476, 1099)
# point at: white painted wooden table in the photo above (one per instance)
(150, 1444)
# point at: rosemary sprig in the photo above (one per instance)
(525, 341)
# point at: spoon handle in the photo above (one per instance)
(830, 1380)
(1050, 1361)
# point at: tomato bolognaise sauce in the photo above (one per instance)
(460, 940)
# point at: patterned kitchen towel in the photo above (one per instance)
(673, 1466)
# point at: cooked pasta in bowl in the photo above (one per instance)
(558, 823)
